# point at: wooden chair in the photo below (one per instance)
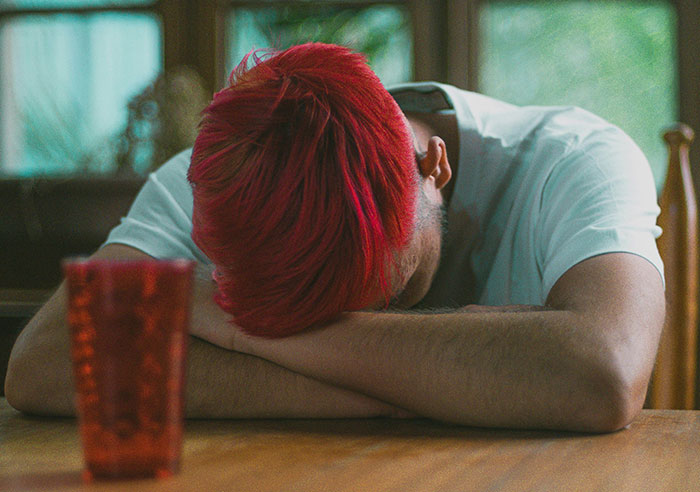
(673, 383)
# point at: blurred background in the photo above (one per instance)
(93, 86)
(94, 94)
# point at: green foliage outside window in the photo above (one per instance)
(381, 32)
(67, 81)
(616, 59)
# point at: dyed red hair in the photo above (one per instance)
(304, 185)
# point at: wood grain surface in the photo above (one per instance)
(659, 451)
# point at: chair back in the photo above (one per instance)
(673, 383)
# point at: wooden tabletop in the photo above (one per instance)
(659, 451)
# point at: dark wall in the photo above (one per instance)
(44, 220)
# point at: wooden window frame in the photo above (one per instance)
(445, 40)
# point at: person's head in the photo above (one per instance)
(305, 187)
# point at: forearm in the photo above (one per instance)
(584, 364)
(39, 373)
(525, 369)
(227, 384)
(220, 383)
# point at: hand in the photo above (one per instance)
(208, 321)
(212, 324)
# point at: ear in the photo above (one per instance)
(435, 164)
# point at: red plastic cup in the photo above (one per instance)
(129, 331)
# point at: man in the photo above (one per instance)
(542, 307)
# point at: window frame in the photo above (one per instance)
(445, 40)
(462, 71)
(445, 35)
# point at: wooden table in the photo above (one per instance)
(660, 451)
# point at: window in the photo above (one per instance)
(616, 59)
(382, 32)
(69, 4)
(69, 68)
(76, 74)
(66, 79)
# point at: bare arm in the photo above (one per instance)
(582, 365)
(220, 383)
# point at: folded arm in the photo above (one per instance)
(581, 364)
(220, 383)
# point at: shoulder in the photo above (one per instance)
(160, 219)
(168, 184)
(174, 170)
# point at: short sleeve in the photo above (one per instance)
(599, 199)
(159, 222)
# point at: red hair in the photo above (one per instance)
(304, 184)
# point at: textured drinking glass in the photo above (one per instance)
(129, 331)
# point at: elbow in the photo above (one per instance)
(614, 376)
(612, 412)
(614, 399)
(30, 390)
(15, 392)
(39, 372)
(20, 386)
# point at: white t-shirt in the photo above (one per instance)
(538, 190)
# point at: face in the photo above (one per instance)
(418, 263)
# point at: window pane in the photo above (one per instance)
(616, 59)
(51, 4)
(65, 82)
(381, 32)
